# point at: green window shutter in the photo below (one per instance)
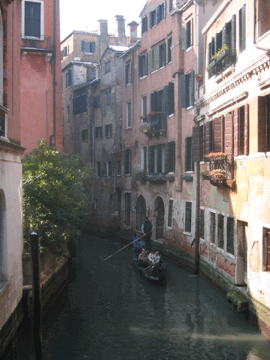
(150, 61)
(242, 28)
(196, 143)
(233, 35)
(140, 61)
(166, 101)
(192, 80)
(184, 37)
(183, 91)
(131, 72)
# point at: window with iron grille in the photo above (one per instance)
(220, 235)
(212, 227)
(230, 235)
(170, 213)
(188, 217)
(202, 223)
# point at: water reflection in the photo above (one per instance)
(109, 312)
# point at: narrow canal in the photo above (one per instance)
(109, 312)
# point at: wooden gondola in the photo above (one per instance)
(155, 272)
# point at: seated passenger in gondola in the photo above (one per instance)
(137, 245)
(156, 258)
(143, 258)
(151, 256)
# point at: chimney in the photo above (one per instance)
(104, 37)
(133, 32)
(120, 30)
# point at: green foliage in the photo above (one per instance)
(55, 189)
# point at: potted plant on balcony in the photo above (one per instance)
(215, 156)
(217, 177)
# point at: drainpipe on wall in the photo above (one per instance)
(52, 143)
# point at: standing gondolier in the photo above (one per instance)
(147, 228)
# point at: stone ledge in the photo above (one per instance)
(241, 303)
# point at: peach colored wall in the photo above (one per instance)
(37, 91)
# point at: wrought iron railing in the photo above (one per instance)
(154, 124)
(221, 62)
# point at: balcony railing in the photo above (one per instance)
(154, 124)
(44, 44)
(221, 61)
(221, 169)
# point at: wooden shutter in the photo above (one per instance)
(170, 159)
(196, 143)
(209, 53)
(191, 32)
(208, 133)
(218, 135)
(233, 35)
(184, 36)
(150, 61)
(228, 147)
(171, 98)
(140, 61)
(236, 132)
(246, 130)
(188, 153)
(146, 63)
(192, 79)
(151, 159)
(261, 124)
(224, 40)
(183, 80)
(242, 26)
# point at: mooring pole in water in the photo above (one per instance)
(36, 295)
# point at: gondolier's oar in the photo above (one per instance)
(125, 246)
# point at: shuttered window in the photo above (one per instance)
(264, 123)
(144, 24)
(212, 227)
(241, 130)
(220, 234)
(188, 154)
(202, 223)
(230, 235)
(128, 162)
(171, 157)
(143, 64)
(88, 47)
(187, 89)
(169, 50)
(196, 143)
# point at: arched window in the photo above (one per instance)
(140, 212)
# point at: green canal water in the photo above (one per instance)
(109, 312)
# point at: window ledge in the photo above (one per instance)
(143, 77)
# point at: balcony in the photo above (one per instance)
(154, 124)
(42, 46)
(221, 169)
(222, 60)
(159, 178)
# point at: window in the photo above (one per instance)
(68, 78)
(153, 18)
(264, 123)
(108, 130)
(128, 115)
(128, 73)
(98, 132)
(171, 157)
(188, 217)
(65, 51)
(169, 47)
(84, 135)
(202, 223)
(171, 99)
(262, 18)
(266, 249)
(170, 5)
(109, 168)
(68, 115)
(241, 129)
(118, 167)
(107, 67)
(144, 108)
(144, 158)
(128, 162)
(212, 227)
(158, 56)
(144, 24)
(143, 64)
(242, 29)
(187, 34)
(108, 97)
(161, 12)
(98, 168)
(79, 105)
(91, 73)
(189, 166)
(127, 208)
(187, 90)
(170, 213)
(88, 47)
(157, 159)
(220, 234)
(230, 235)
(96, 102)
(32, 19)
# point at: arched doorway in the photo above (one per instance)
(140, 212)
(159, 217)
